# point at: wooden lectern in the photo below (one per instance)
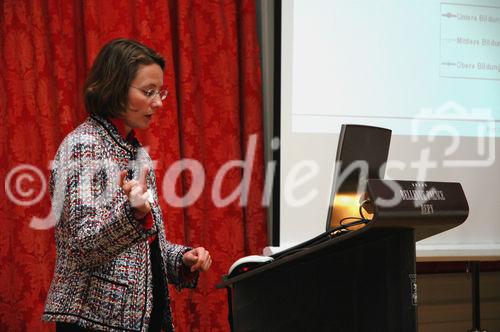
(364, 280)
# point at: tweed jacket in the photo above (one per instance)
(102, 278)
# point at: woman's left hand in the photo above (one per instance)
(197, 259)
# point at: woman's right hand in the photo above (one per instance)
(137, 193)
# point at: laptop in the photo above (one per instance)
(362, 153)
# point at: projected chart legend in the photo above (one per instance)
(470, 46)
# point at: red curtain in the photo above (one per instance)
(212, 115)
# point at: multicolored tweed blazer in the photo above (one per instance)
(102, 278)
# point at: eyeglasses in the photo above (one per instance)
(152, 93)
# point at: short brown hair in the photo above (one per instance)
(114, 68)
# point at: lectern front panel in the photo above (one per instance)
(367, 286)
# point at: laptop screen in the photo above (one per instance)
(362, 153)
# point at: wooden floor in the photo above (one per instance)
(445, 303)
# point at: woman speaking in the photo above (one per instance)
(113, 261)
